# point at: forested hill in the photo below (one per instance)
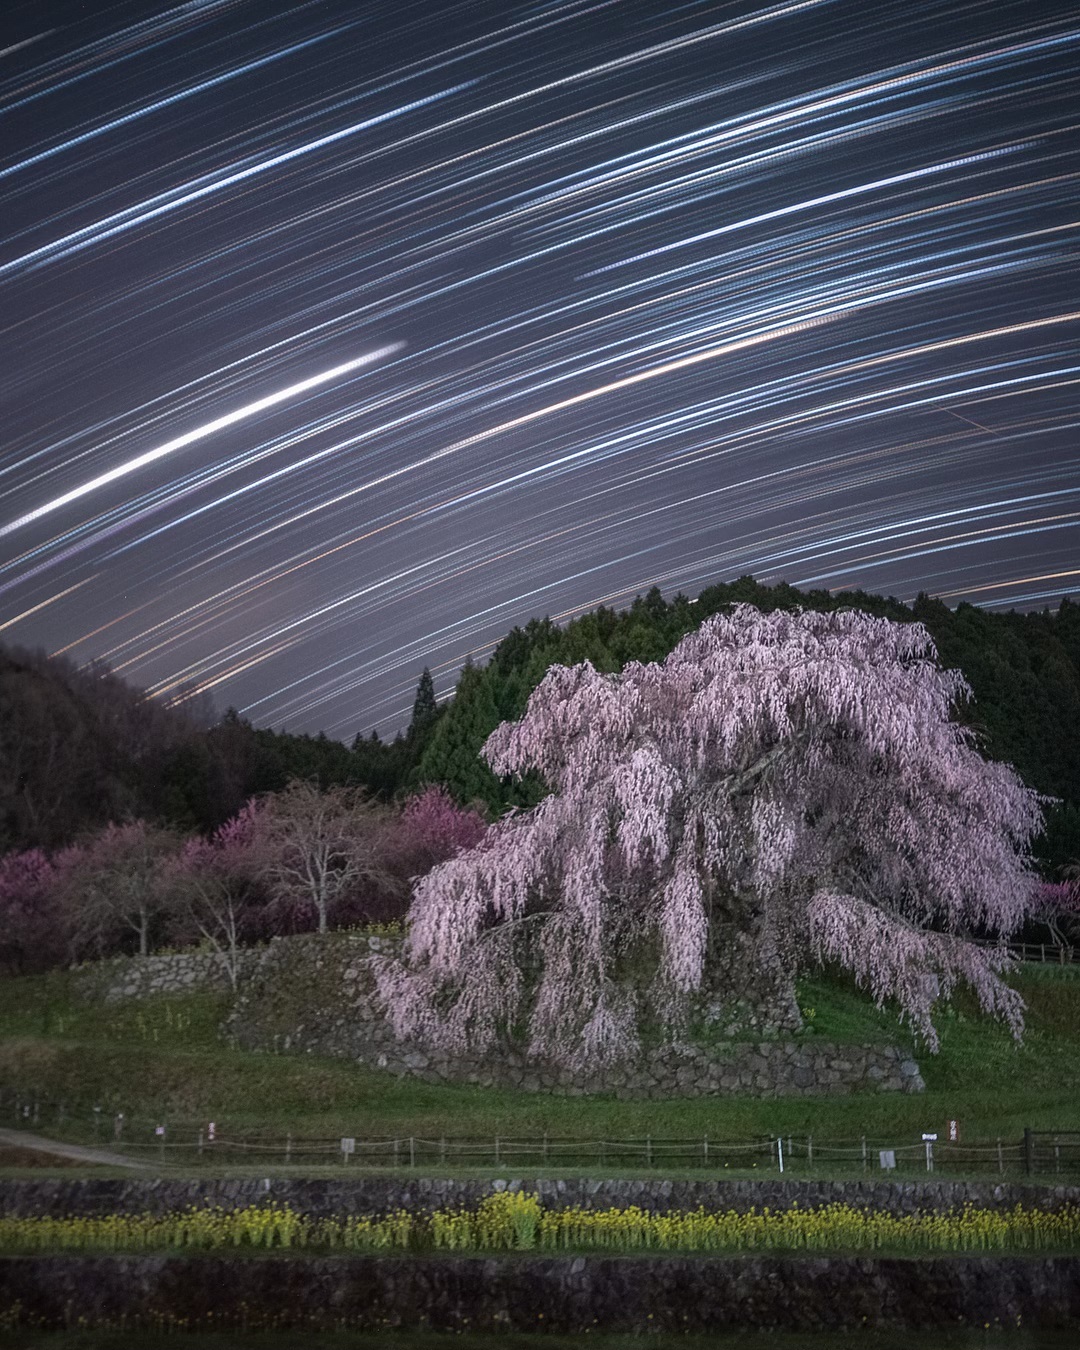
(81, 747)
(1024, 670)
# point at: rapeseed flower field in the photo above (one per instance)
(517, 1221)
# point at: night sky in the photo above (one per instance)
(339, 337)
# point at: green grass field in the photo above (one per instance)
(162, 1061)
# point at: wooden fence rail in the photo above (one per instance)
(1035, 1154)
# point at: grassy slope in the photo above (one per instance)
(162, 1060)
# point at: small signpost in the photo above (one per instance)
(887, 1159)
(954, 1131)
(929, 1140)
(348, 1145)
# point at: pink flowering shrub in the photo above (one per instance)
(1056, 905)
(433, 828)
(783, 790)
(31, 926)
(113, 888)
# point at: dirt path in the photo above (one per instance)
(19, 1139)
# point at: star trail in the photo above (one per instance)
(338, 337)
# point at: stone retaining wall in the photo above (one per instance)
(138, 977)
(379, 1195)
(344, 1021)
(570, 1295)
(313, 994)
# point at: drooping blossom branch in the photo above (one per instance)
(740, 808)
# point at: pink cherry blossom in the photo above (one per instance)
(784, 790)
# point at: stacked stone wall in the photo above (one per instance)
(138, 977)
(567, 1294)
(313, 994)
(323, 1198)
(345, 1021)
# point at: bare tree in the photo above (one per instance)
(117, 881)
(212, 882)
(317, 847)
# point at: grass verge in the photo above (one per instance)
(161, 1061)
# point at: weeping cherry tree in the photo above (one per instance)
(784, 791)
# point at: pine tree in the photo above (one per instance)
(425, 709)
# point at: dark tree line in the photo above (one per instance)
(1024, 670)
(80, 748)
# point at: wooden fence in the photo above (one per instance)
(1036, 1153)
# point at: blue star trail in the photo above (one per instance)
(336, 339)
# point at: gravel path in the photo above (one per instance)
(35, 1142)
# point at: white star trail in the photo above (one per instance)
(336, 340)
(200, 433)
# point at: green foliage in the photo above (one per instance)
(78, 748)
(1024, 670)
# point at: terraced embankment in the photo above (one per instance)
(319, 1197)
(564, 1294)
(261, 1283)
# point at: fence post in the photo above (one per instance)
(648, 1149)
(496, 1150)
(864, 1162)
(200, 1141)
(1001, 1160)
(412, 1151)
(809, 1151)
(1029, 1151)
(442, 1150)
(288, 1149)
(705, 1149)
(545, 1149)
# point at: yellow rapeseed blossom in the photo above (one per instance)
(516, 1221)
